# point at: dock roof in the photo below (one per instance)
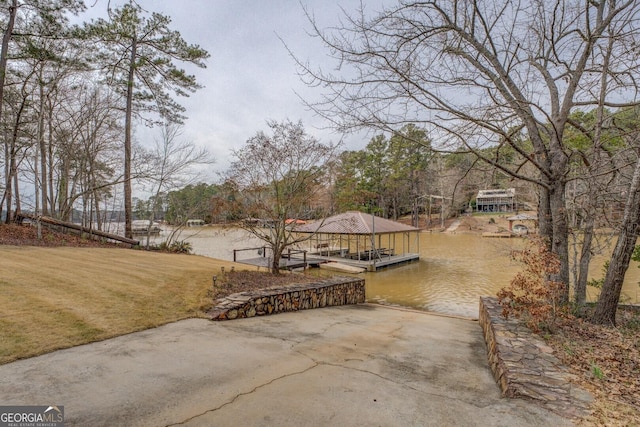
(354, 222)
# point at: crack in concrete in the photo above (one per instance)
(405, 384)
(389, 379)
(395, 332)
(239, 395)
(316, 363)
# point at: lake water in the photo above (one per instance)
(454, 270)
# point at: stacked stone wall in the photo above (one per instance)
(324, 293)
(525, 367)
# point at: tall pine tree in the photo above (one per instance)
(138, 54)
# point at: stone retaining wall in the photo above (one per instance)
(524, 366)
(324, 293)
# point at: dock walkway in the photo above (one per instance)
(370, 260)
(288, 264)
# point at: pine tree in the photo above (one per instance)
(138, 54)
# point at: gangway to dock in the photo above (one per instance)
(291, 260)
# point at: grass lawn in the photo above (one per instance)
(52, 298)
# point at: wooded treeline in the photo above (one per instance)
(501, 74)
(403, 175)
(69, 97)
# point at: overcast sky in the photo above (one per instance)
(250, 77)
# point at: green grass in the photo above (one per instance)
(596, 371)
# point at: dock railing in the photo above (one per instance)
(262, 251)
(291, 252)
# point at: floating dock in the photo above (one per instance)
(357, 266)
(499, 235)
(363, 264)
(342, 268)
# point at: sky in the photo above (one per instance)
(250, 77)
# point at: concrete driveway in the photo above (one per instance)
(360, 365)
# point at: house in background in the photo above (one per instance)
(496, 200)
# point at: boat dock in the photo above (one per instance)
(295, 259)
(361, 240)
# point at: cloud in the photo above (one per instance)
(250, 77)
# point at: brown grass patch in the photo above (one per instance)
(52, 298)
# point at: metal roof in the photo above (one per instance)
(354, 222)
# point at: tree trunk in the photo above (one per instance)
(596, 167)
(560, 241)
(605, 313)
(13, 163)
(16, 187)
(275, 262)
(127, 145)
(13, 9)
(96, 201)
(580, 291)
(8, 194)
(43, 153)
(278, 244)
(36, 192)
(51, 166)
(63, 188)
(544, 216)
(4, 54)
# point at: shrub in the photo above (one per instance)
(532, 295)
(181, 246)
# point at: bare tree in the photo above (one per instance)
(17, 139)
(278, 176)
(607, 306)
(88, 129)
(4, 54)
(171, 164)
(629, 228)
(479, 74)
(34, 20)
